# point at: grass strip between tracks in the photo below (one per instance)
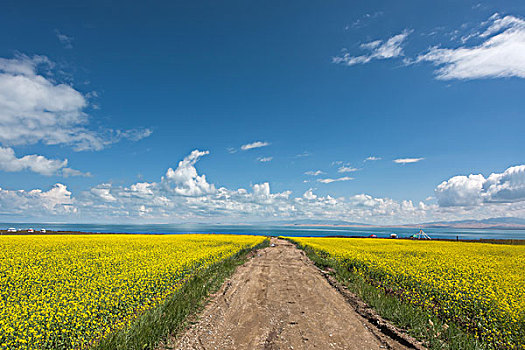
(170, 317)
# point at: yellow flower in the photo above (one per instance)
(479, 286)
(60, 292)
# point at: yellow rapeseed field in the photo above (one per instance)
(479, 286)
(61, 292)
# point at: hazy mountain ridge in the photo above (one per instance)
(500, 222)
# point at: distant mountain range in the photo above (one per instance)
(508, 222)
(505, 222)
(318, 222)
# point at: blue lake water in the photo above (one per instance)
(318, 231)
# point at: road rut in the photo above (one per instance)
(278, 300)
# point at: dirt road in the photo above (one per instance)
(278, 300)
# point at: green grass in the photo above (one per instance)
(170, 318)
(419, 323)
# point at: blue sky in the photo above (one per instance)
(125, 91)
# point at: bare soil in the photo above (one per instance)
(280, 300)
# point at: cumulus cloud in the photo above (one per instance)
(35, 108)
(369, 205)
(460, 190)
(38, 164)
(55, 201)
(329, 180)
(185, 178)
(378, 50)
(508, 186)
(103, 192)
(256, 144)
(501, 54)
(185, 195)
(407, 160)
(309, 195)
(35, 163)
(474, 190)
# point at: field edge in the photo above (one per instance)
(416, 322)
(170, 317)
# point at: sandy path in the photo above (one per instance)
(278, 300)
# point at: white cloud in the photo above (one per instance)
(265, 159)
(261, 190)
(68, 172)
(142, 189)
(55, 201)
(103, 192)
(185, 195)
(35, 163)
(38, 164)
(328, 180)
(144, 211)
(460, 190)
(380, 50)
(35, 109)
(314, 173)
(372, 158)
(346, 169)
(256, 144)
(501, 54)
(474, 190)
(188, 195)
(366, 206)
(508, 186)
(131, 134)
(371, 45)
(407, 160)
(187, 181)
(64, 39)
(309, 195)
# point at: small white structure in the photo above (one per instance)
(30, 230)
(393, 235)
(43, 230)
(11, 229)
